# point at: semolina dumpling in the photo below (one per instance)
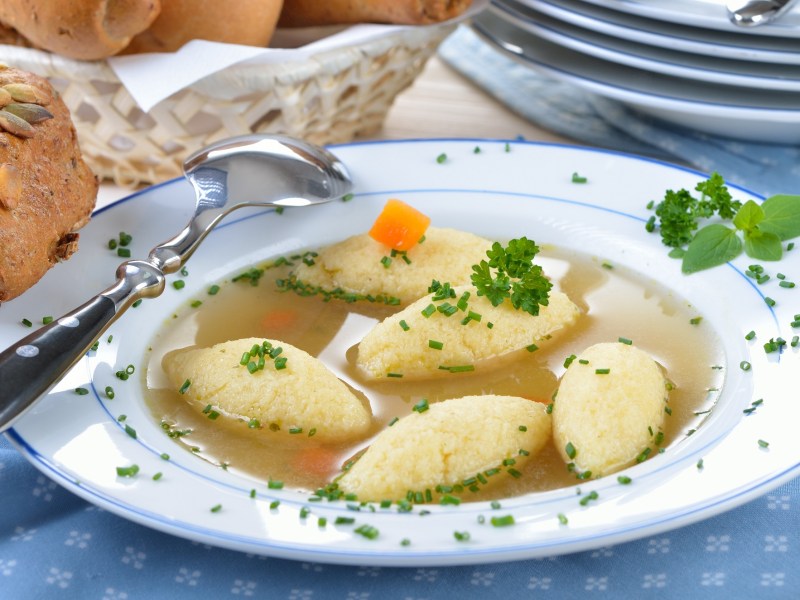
(451, 441)
(415, 346)
(355, 266)
(298, 392)
(611, 404)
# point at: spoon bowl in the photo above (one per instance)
(252, 170)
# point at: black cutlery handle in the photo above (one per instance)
(29, 368)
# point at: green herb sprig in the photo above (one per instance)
(757, 229)
(511, 274)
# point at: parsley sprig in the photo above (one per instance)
(511, 274)
(758, 229)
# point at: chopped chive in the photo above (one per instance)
(770, 302)
(344, 521)
(435, 345)
(593, 495)
(750, 335)
(441, 158)
(532, 348)
(216, 508)
(461, 536)
(786, 284)
(275, 484)
(368, 531)
(127, 471)
(514, 473)
(576, 178)
(386, 262)
(503, 521)
(626, 341)
(393, 421)
(522, 428)
(624, 479)
(568, 360)
(295, 430)
(27, 322)
(421, 406)
(404, 325)
(130, 431)
(745, 366)
(304, 512)
(763, 444)
(213, 290)
(602, 371)
(695, 320)
(570, 450)
(81, 391)
(700, 464)
(562, 518)
(183, 389)
(458, 368)
(396, 375)
(158, 476)
(274, 504)
(123, 252)
(179, 284)
(109, 391)
(428, 311)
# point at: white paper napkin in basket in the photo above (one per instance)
(150, 78)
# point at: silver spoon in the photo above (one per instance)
(751, 13)
(252, 170)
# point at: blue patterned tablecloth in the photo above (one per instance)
(55, 545)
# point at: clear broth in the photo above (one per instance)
(614, 301)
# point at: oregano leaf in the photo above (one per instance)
(763, 245)
(713, 245)
(748, 216)
(781, 216)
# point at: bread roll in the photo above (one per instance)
(46, 190)
(84, 29)
(248, 22)
(306, 13)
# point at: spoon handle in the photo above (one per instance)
(34, 364)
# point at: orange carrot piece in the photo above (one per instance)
(317, 460)
(279, 320)
(399, 225)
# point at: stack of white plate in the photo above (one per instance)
(682, 61)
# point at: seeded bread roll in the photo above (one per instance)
(306, 13)
(46, 190)
(83, 29)
(248, 22)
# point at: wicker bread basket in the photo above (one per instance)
(332, 97)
